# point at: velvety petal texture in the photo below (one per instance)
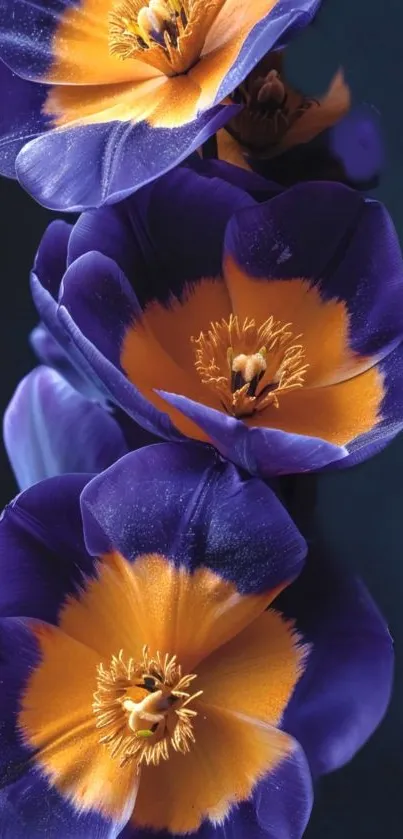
(172, 557)
(168, 314)
(327, 602)
(67, 94)
(50, 429)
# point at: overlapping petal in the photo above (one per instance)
(78, 102)
(43, 556)
(199, 530)
(215, 504)
(287, 136)
(345, 690)
(44, 417)
(28, 802)
(180, 534)
(318, 257)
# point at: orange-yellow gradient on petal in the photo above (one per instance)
(343, 391)
(247, 662)
(80, 48)
(157, 353)
(342, 394)
(230, 755)
(57, 720)
(82, 57)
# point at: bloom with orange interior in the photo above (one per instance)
(170, 678)
(288, 136)
(269, 327)
(117, 92)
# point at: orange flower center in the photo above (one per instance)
(250, 367)
(169, 34)
(142, 708)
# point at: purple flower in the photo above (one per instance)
(154, 693)
(269, 328)
(115, 93)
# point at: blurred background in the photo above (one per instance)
(360, 512)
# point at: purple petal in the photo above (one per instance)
(199, 511)
(51, 257)
(279, 809)
(261, 189)
(15, 637)
(21, 115)
(42, 553)
(27, 29)
(266, 452)
(355, 258)
(124, 156)
(28, 804)
(50, 353)
(31, 807)
(357, 142)
(98, 304)
(44, 416)
(157, 250)
(48, 309)
(391, 411)
(284, 800)
(345, 689)
(283, 21)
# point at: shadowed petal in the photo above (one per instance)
(42, 552)
(44, 417)
(345, 689)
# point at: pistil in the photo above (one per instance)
(143, 708)
(249, 367)
(168, 34)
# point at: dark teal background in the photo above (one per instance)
(360, 512)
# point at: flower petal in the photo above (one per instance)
(21, 116)
(255, 673)
(51, 257)
(357, 142)
(268, 814)
(41, 563)
(285, 816)
(23, 811)
(221, 769)
(265, 452)
(46, 280)
(64, 42)
(27, 801)
(56, 720)
(143, 237)
(51, 354)
(261, 189)
(215, 504)
(357, 249)
(345, 689)
(241, 35)
(43, 418)
(124, 155)
(103, 305)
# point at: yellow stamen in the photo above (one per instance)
(168, 34)
(249, 367)
(143, 707)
